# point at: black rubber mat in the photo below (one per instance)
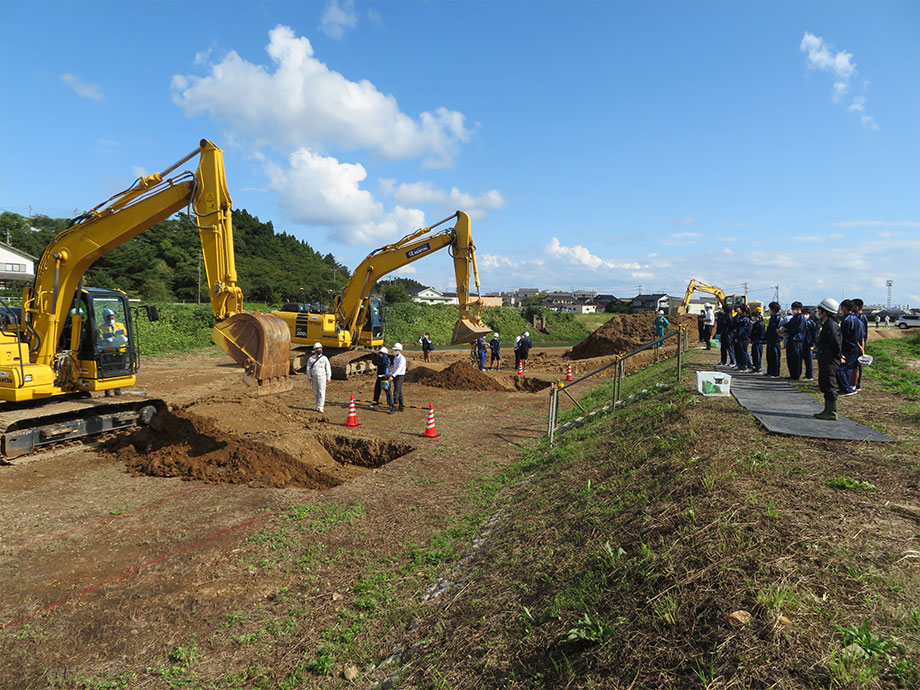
(783, 409)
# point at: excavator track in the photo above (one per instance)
(25, 431)
(344, 363)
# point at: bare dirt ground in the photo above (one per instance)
(106, 549)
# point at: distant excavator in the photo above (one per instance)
(730, 301)
(356, 319)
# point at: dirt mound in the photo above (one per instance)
(416, 374)
(181, 444)
(622, 333)
(462, 376)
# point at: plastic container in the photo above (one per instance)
(713, 383)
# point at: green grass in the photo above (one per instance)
(844, 482)
(890, 365)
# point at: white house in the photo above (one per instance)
(429, 295)
(16, 265)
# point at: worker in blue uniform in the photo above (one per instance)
(811, 337)
(758, 333)
(772, 340)
(794, 331)
(852, 335)
(742, 333)
(724, 326)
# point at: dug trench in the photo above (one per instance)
(186, 445)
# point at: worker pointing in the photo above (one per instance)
(318, 372)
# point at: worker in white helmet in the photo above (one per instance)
(382, 361)
(318, 372)
(495, 346)
(397, 374)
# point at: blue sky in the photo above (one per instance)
(597, 145)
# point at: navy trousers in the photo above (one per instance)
(808, 361)
(794, 358)
(773, 355)
(756, 355)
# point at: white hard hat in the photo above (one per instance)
(830, 305)
(317, 346)
(397, 346)
(661, 311)
(384, 350)
(527, 334)
(495, 335)
(709, 306)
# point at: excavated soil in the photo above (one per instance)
(528, 385)
(623, 333)
(462, 376)
(182, 444)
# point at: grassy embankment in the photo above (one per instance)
(187, 327)
(613, 560)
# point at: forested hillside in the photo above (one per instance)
(162, 264)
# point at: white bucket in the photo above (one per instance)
(713, 383)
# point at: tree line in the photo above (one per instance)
(164, 263)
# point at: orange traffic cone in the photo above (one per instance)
(568, 373)
(430, 431)
(352, 419)
(521, 368)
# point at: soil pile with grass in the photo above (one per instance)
(624, 332)
(462, 376)
(181, 444)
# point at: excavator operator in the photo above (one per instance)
(112, 335)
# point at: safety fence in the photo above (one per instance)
(619, 362)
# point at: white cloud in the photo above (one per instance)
(422, 192)
(581, 255)
(642, 275)
(320, 191)
(337, 17)
(406, 269)
(880, 223)
(682, 238)
(817, 238)
(81, 88)
(820, 56)
(685, 235)
(302, 103)
(139, 171)
(687, 220)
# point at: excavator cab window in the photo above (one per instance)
(374, 319)
(111, 343)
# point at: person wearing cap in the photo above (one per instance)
(495, 347)
(382, 361)
(741, 325)
(709, 322)
(523, 350)
(661, 323)
(319, 371)
(828, 349)
(397, 374)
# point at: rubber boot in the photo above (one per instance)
(829, 413)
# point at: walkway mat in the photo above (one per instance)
(783, 409)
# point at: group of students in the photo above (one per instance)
(836, 334)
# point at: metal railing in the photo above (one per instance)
(619, 362)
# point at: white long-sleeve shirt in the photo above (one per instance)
(399, 365)
(318, 366)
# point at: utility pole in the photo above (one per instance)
(776, 293)
(889, 284)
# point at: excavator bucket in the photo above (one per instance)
(262, 344)
(468, 330)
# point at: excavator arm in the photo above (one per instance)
(695, 285)
(352, 307)
(260, 343)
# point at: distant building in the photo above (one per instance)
(585, 294)
(653, 302)
(16, 265)
(430, 295)
(491, 300)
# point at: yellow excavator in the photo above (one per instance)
(731, 301)
(356, 319)
(68, 340)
